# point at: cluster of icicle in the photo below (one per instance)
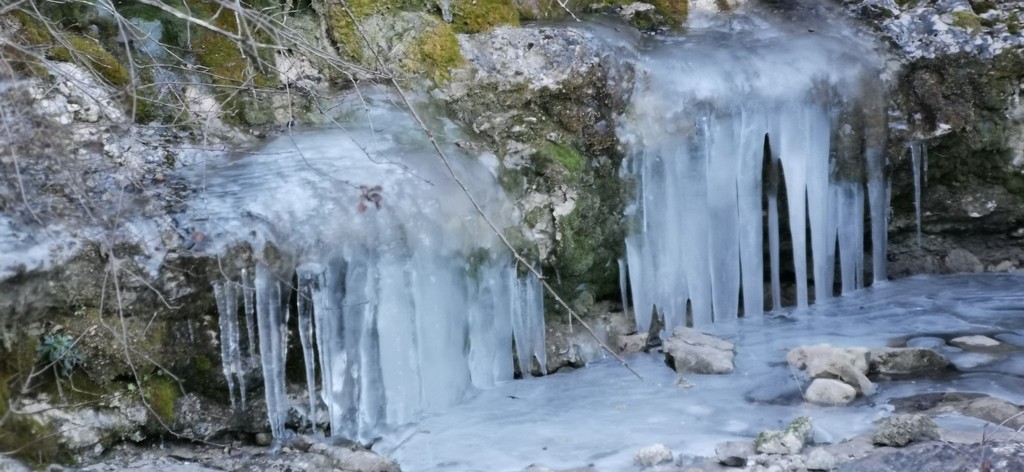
(402, 297)
(723, 130)
(389, 347)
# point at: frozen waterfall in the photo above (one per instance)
(401, 297)
(723, 129)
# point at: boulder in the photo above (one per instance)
(830, 392)
(827, 362)
(787, 441)
(910, 360)
(689, 350)
(734, 453)
(630, 343)
(653, 455)
(359, 460)
(900, 430)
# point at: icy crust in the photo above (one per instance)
(696, 131)
(602, 415)
(406, 297)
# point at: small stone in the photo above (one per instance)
(830, 392)
(653, 455)
(689, 350)
(631, 343)
(681, 383)
(788, 441)
(820, 459)
(263, 439)
(900, 430)
(734, 453)
(974, 342)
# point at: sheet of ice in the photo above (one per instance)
(602, 415)
(700, 114)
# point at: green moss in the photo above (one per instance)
(675, 11)
(435, 54)
(967, 20)
(33, 32)
(474, 16)
(343, 29)
(203, 364)
(982, 6)
(33, 442)
(1013, 23)
(161, 393)
(906, 3)
(565, 156)
(91, 54)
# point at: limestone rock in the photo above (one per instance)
(900, 430)
(360, 460)
(827, 362)
(962, 261)
(995, 410)
(788, 441)
(820, 459)
(909, 360)
(633, 9)
(689, 350)
(941, 456)
(975, 342)
(653, 455)
(630, 343)
(830, 392)
(734, 453)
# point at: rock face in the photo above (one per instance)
(906, 361)
(788, 441)
(829, 392)
(652, 455)
(689, 350)
(900, 430)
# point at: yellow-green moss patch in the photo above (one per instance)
(565, 156)
(967, 20)
(435, 54)
(89, 53)
(31, 441)
(474, 16)
(161, 393)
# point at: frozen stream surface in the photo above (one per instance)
(602, 414)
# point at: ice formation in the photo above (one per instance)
(404, 298)
(724, 127)
(919, 163)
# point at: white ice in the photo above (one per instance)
(407, 294)
(602, 415)
(696, 129)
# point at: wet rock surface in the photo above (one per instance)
(689, 350)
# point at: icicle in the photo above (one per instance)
(308, 276)
(248, 296)
(272, 355)
(916, 151)
(222, 295)
(622, 285)
(774, 183)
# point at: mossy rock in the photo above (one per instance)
(475, 16)
(160, 393)
(33, 442)
(435, 54)
(967, 20)
(89, 53)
